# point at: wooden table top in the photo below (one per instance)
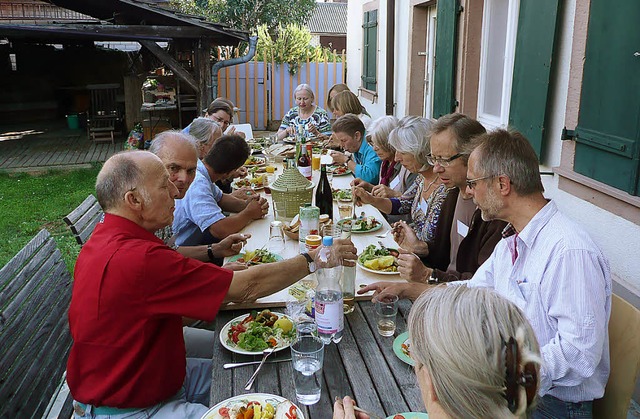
(363, 366)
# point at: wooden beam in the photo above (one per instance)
(203, 72)
(171, 63)
(107, 32)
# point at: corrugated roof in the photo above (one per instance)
(329, 18)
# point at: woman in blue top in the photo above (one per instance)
(363, 161)
(313, 118)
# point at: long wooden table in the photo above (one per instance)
(363, 366)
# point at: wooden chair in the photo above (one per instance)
(83, 219)
(103, 114)
(34, 331)
(624, 350)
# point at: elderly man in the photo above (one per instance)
(363, 161)
(131, 291)
(548, 266)
(199, 218)
(178, 152)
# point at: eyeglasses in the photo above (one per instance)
(220, 121)
(442, 162)
(471, 183)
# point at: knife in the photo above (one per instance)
(242, 364)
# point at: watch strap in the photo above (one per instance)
(210, 253)
(433, 279)
(310, 262)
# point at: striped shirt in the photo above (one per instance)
(559, 278)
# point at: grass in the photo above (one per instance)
(29, 203)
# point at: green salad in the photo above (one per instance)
(259, 331)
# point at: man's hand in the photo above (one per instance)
(406, 238)
(243, 193)
(343, 409)
(403, 290)
(232, 131)
(338, 157)
(235, 266)
(240, 172)
(362, 196)
(411, 267)
(230, 245)
(343, 248)
(383, 191)
(257, 207)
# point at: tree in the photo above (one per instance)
(249, 14)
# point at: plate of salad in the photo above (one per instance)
(256, 257)
(379, 260)
(402, 348)
(365, 224)
(256, 406)
(252, 333)
(343, 195)
(255, 161)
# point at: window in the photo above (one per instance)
(499, 29)
(14, 64)
(370, 50)
(608, 134)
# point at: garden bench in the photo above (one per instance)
(35, 291)
(83, 219)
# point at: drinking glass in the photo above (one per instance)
(307, 356)
(276, 238)
(306, 326)
(345, 209)
(386, 309)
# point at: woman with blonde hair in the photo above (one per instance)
(347, 102)
(313, 119)
(475, 353)
(333, 91)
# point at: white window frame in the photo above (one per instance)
(491, 121)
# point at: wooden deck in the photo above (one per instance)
(50, 145)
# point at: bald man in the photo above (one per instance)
(131, 291)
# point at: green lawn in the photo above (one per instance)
(29, 203)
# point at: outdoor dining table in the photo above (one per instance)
(363, 365)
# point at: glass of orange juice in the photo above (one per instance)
(315, 162)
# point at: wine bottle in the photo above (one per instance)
(324, 195)
(304, 161)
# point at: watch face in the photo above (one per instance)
(312, 267)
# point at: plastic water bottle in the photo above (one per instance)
(328, 302)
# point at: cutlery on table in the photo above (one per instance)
(382, 246)
(357, 409)
(242, 364)
(383, 235)
(265, 354)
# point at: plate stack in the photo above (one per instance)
(289, 192)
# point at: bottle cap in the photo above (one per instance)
(327, 241)
(313, 240)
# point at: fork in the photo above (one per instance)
(383, 235)
(265, 354)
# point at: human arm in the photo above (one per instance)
(254, 209)
(229, 246)
(262, 280)
(244, 193)
(382, 204)
(286, 128)
(362, 184)
(368, 167)
(344, 409)
(341, 158)
(403, 289)
(404, 235)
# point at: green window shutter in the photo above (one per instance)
(608, 131)
(537, 23)
(369, 55)
(445, 61)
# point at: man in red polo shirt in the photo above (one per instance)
(131, 292)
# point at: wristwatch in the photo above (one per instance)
(310, 262)
(433, 279)
(210, 253)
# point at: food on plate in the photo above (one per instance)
(365, 223)
(406, 348)
(324, 218)
(254, 161)
(379, 259)
(398, 417)
(339, 170)
(270, 409)
(342, 195)
(259, 331)
(256, 182)
(257, 257)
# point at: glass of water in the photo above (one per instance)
(276, 238)
(307, 356)
(386, 310)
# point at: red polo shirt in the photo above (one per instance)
(130, 293)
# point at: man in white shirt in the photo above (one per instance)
(548, 266)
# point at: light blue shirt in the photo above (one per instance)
(367, 163)
(198, 210)
(561, 281)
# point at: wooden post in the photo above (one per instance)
(203, 73)
(335, 67)
(255, 91)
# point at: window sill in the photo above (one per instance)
(368, 94)
(604, 196)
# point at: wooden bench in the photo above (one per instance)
(83, 219)
(35, 291)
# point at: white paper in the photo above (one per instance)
(463, 229)
(395, 182)
(423, 206)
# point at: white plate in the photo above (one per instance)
(261, 162)
(259, 397)
(235, 186)
(233, 348)
(364, 268)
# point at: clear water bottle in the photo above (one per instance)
(328, 299)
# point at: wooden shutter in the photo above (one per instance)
(608, 131)
(537, 23)
(369, 51)
(445, 62)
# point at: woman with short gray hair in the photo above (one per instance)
(422, 200)
(206, 132)
(475, 353)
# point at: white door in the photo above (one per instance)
(429, 62)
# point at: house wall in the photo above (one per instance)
(618, 238)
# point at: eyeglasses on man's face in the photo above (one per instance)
(471, 183)
(223, 123)
(444, 162)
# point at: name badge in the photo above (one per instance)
(395, 182)
(423, 206)
(463, 229)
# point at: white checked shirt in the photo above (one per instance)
(561, 280)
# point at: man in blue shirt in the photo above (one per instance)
(363, 161)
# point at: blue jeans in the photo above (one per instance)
(550, 407)
(190, 402)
